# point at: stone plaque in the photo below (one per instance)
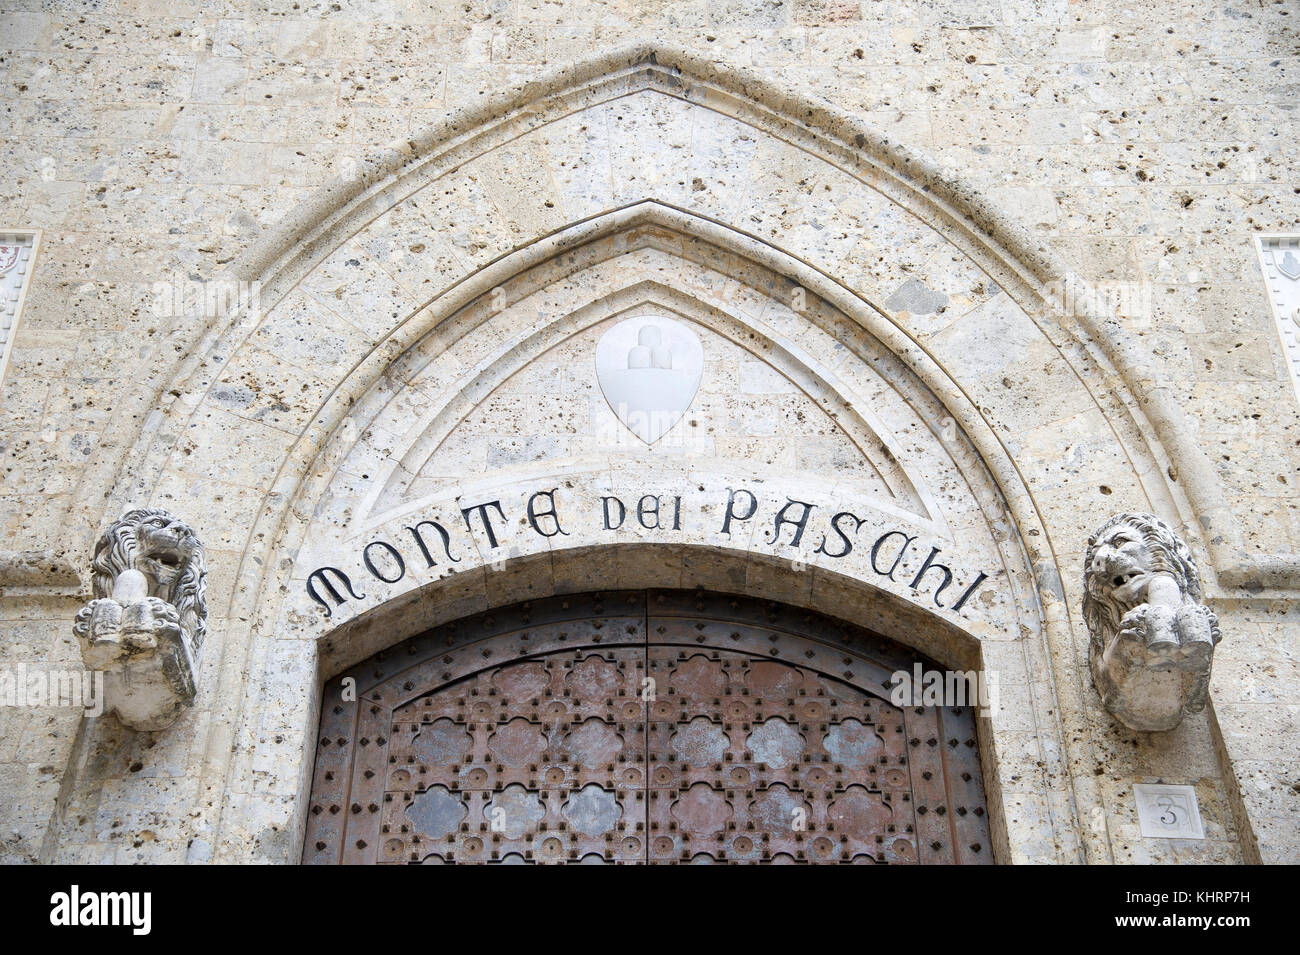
(649, 368)
(1168, 812)
(17, 251)
(1279, 261)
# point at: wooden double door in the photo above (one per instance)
(642, 727)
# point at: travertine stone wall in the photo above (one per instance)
(156, 144)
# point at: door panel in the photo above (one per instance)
(546, 749)
(756, 760)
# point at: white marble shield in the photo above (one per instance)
(649, 368)
(1287, 263)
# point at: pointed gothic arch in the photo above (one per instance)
(346, 270)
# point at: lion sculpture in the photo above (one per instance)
(145, 626)
(1152, 640)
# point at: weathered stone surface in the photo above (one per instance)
(980, 272)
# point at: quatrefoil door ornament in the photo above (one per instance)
(649, 369)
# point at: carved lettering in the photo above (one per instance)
(731, 509)
(875, 551)
(927, 566)
(642, 511)
(424, 548)
(798, 524)
(970, 590)
(323, 573)
(392, 552)
(483, 516)
(534, 515)
(330, 586)
(622, 512)
(835, 526)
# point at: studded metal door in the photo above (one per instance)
(635, 727)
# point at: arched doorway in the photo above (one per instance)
(642, 727)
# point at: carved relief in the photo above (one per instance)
(649, 369)
(1152, 640)
(1279, 260)
(145, 626)
(16, 254)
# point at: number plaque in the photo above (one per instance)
(1168, 812)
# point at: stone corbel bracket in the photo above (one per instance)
(1151, 640)
(145, 625)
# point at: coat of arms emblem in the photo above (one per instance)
(649, 369)
(1287, 263)
(8, 257)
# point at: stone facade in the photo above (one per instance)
(325, 281)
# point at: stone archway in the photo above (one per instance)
(643, 727)
(307, 435)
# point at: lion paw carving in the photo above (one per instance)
(145, 626)
(1151, 639)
